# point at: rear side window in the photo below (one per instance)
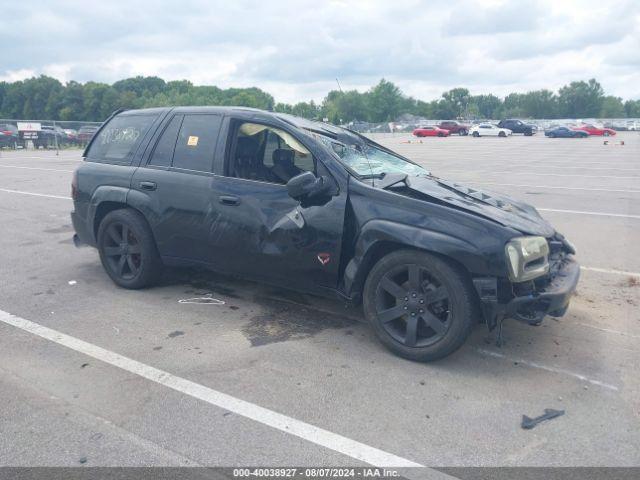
(163, 153)
(196, 142)
(119, 139)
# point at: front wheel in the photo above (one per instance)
(475, 134)
(421, 307)
(127, 249)
(502, 134)
(605, 134)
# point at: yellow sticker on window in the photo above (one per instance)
(192, 141)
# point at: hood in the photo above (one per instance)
(503, 210)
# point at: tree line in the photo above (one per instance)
(47, 98)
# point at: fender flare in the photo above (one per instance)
(100, 195)
(382, 232)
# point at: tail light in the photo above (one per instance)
(74, 185)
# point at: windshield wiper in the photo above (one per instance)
(373, 175)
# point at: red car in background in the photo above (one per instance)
(430, 132)
(455, 127)
(593, 130)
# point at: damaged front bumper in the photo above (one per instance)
(549, 296)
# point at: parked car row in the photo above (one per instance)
(504, 128)
(507, 127)
(45, 136)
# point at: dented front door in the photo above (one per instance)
(261, 231)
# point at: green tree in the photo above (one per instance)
(632, 108)
(612, 107)
(385, 102)
(489, 106)
(580, 99)
(457, 101)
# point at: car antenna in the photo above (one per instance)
(339, 87)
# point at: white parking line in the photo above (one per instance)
(508, 172)
(607, 330)
(579, 376)
(311, 433)
(36, 168)
(613, 272)
(6, 190)
(581, 212)
(51, 157)
(555, 188)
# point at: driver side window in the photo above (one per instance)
(267, 154)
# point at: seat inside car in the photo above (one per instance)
(247, 162)
(283, 164)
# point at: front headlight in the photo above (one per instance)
(527, 258)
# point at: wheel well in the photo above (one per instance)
(383, 248)
(103, 209)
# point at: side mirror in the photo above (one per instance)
(307, 185)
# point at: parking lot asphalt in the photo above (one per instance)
(272, 377)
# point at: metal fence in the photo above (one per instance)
(407, 123)
(46, 134)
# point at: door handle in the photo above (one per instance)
(148, 185)
(230, 200)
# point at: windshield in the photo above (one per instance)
(368, 160)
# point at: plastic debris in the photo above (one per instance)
(549, 413)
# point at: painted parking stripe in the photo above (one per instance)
(579, 376)
(20, 192)
(555, 188)
(36, 168)
(490, 172)
(311, 433)
(611, 271)
(581, 212)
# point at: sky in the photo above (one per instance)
(295, 50)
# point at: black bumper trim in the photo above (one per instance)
(554, 300)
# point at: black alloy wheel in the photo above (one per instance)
(127, 249)
(122, 251)
(421, 306)
(413, 306)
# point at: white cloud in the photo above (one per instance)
(296, 50)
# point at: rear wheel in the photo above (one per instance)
(605, 134)
(440, 134)
(127, 249)
(421, 307)
(475, 134)
(502, 134)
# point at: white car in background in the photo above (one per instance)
(488, 130)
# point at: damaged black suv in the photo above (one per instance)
(319, 209)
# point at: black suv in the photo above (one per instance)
(319, 209)
(518, 126)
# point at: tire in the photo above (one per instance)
(552, 135)
(502, 134)
(135, 262)
(475, 134)
(441, 134)
(463, 132)
(403, 298)
(605, 134)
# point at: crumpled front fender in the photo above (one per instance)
(479, 259)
